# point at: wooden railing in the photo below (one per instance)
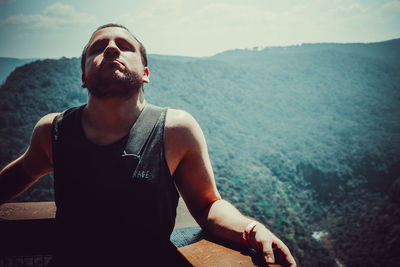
(25, 233)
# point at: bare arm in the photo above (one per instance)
(36, 162)
(189, 162)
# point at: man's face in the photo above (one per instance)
(113, 65)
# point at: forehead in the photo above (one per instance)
(112, 33)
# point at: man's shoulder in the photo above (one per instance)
(43, 127)
(183, 137)
(182, 128)
(178, 119)
(47, 120)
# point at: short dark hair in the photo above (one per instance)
(141, 47)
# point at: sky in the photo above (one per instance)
(52, 29)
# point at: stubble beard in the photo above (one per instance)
(115, 85)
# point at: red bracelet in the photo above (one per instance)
(247, 232)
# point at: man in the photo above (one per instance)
(104, 206)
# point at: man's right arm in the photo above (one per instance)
(36, 162)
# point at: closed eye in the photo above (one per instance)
(97, 47)
(125, 45)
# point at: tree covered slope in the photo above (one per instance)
(9, 64)
(303, 138)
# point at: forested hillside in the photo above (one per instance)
(9, 64)
(304, 138)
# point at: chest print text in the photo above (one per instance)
(143, 174)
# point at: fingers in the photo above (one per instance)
(272, 248)
(268, 253)
(261, 239)
(283, 254)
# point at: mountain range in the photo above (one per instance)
(304, 138)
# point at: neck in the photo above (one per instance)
(107, 120)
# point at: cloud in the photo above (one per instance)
(235, 15)
(354, 8)
(390, 9)
(54, 16)
(193, 19)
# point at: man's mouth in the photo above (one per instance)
(111, 62)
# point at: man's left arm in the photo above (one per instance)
(188, 159)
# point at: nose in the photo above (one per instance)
(111, 51)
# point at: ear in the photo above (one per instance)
(83, 81)
(146, 74)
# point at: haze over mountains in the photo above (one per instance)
(304, 138)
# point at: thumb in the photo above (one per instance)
(268, 253)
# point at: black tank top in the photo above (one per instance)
(110, 212)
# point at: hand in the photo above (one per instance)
(273, 249)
